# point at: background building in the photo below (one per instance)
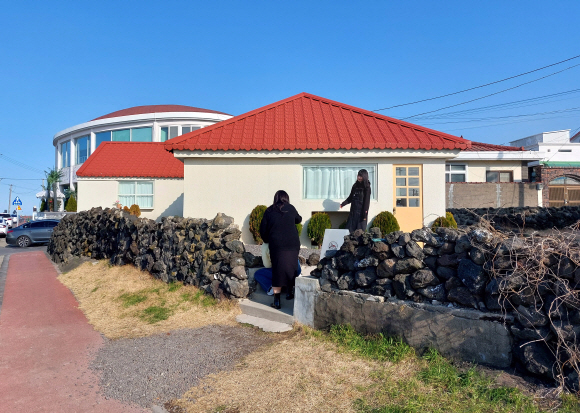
(154, 123)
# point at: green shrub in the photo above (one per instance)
(316, 227)
(451, 219)
(255, 220)
(299, 229)
(448, 221)
(42, 205)
(386, 222)
(135, 210)
(71, 205)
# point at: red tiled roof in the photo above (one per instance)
(308, 122)
(132, 160)
(488, 147)
(139, 110)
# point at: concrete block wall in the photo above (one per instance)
(490, 195)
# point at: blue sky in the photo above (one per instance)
(63, 63)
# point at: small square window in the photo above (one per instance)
(401, 202)
(401, 181)
(413, 181)
(414, 171)
(401, 171)
(401, 191)
(414, 202)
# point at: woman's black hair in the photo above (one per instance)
(281, 198)
(364, 174)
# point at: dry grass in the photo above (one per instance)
(299, 374)
(123, 302)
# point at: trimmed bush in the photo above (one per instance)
(255, 220)
(451, 219)
(299, 229)
(386, 222)
(448, 221)
(42, 205)
(316, 227)
(135, 210)
(71, 205)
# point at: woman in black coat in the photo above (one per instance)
(278, 229)
(360, 199)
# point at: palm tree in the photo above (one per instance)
(53, 177)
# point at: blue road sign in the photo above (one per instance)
(17, 201)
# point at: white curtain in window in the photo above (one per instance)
(127, 193)
(145, 194)
(333, 182)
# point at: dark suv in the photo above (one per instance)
(31, 233)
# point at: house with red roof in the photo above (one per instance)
(312, 148)
(141, 173)
(309, 146)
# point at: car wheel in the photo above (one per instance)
(23, 241)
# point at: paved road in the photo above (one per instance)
(11, 249)
(46, 344)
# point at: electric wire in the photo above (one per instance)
(20, 164)
(493, 94)
(508, 105)
(478, 87)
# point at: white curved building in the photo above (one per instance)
(152, 123)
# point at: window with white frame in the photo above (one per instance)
(333, 182)
(65, 154)
(81, 149)
(187, 129)
(168, 132)
(136, 192)
(125, 135)
(455, 173)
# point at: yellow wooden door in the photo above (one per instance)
(408, 196)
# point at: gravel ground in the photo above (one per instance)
(156, 369)
(304, 252)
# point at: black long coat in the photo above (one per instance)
(278, 229)
(360, 199)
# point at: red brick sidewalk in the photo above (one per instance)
(46, 345)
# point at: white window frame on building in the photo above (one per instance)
(65, 158)
(124, 193)
(452, 169)
(501, 176)
(344, 176)
(78, 156)
(121, 132)
(190, 128)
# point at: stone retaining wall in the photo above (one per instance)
(205, 253)
(539, 218)
(529, 288)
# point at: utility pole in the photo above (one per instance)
(9, 198)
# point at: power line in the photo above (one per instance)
(490, 118)
(20, 164)
(508, 105)
(495, 93)
(22, 179)
(477, 87)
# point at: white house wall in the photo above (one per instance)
(167, 197)
(235, 186)
(476, 169)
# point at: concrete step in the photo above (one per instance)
(266, 312)
(266, 325)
